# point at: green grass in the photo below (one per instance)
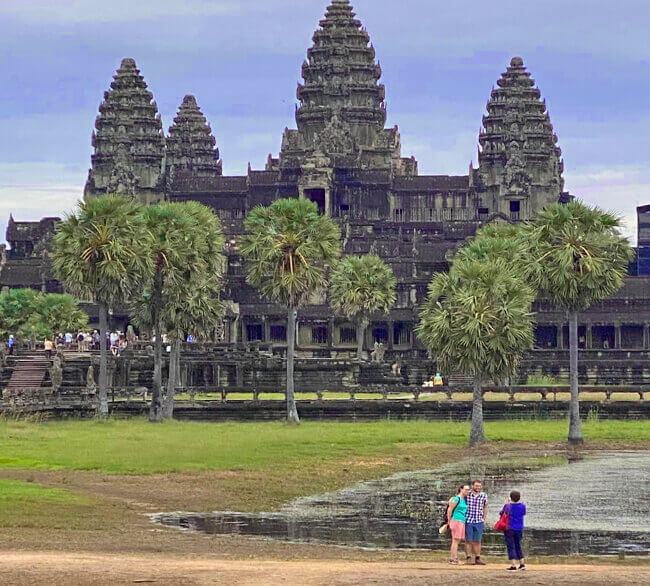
(32, 505)
(137, 447)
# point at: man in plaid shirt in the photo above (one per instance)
(475, 522)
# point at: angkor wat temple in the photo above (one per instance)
(341, 156)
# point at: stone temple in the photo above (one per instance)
(342, 156)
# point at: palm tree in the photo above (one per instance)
(288, 247)
(97, 256)
(196, 311)
(186, 247)
(505, 241)
(359, 287)
(579, 257)
(477, 318)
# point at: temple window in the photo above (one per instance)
(483, 213)
(380, 334)
(278, 333)
(631, 336)
(319, 335)
(515, 207)
(255, 332)
(401, 334)
(398, 215)
(546, 337)
(348, 335)
(604, 337)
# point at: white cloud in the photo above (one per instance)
(619, 189)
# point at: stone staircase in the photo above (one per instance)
(29, 371)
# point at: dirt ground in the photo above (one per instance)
(81, 569)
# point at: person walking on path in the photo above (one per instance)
(477, 502)
(456, 515)
(516, 510)
(48, 346)
(10, 345)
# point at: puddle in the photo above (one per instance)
(595, 506)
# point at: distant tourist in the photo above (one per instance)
(68, 340)
(49, 348)
(437, 380)
(10, 345)
(475, 522)
(96, 338)
(456, 515)
(190, 338)
(515, 510)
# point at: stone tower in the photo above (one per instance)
(520, 164)
(191, 144)
(128, 141)
(341, 113)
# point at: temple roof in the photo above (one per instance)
(190, 143)
(128, 135)
(340, 75)
(517, 118)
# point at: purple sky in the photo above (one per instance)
(591, 59)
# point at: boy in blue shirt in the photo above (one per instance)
(516, 511)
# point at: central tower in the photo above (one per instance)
(341, 79)
(340, 116)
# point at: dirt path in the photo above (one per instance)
(81, 569)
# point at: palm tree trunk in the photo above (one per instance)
(575, 427)
(103, 362)
(155, 411)
(476, 435)
(172, 381)
(361, 333)
(292, 411)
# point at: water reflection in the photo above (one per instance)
(595, 506)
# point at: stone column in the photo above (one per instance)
(617, 335)
(390, 330)
(646, 335)
(588, 337)
(267, 329)
(330, 333)
(560, 336)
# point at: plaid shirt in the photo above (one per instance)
(475, 504)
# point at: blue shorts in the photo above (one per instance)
(474, 531)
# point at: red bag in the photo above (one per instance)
(502, 523)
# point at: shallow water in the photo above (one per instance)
(595, 506)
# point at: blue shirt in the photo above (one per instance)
(516, 512)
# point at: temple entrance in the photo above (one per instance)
(318, 197)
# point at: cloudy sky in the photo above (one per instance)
(591, 59)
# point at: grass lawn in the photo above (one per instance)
(135, 446)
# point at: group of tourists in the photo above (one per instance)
(116, 341)
(465, 518)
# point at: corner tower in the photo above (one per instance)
(128, 141)
(191, 145)
(520, 164)
(341, 112)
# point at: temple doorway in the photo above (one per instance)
(318, 197)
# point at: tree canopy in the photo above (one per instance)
(287, 248)
(579, 255)
(28, 314)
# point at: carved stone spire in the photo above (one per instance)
(341, 78)
(191, 144)
(129, 145)
(519, 160)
